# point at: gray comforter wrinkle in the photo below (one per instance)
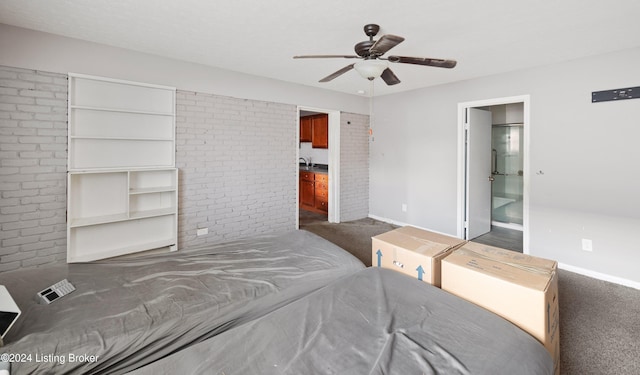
(376, 321)
(133, 311)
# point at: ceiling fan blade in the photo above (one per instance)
(389, 78)
(439, 63)
(338, 73)
(326, 56)
(385, 43)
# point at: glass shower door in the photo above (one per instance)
(507, 171)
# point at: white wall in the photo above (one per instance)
(317, 155)
(587, 151)
(31, 49)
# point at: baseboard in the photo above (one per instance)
(386, 220)
(402, 224)
(600, 276)
(567, 267)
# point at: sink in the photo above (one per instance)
(315, 168)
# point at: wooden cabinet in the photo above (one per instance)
(307, 190)
(320, 131)
(305, 129)
(315, 129)
(314, 192)
(322, 192)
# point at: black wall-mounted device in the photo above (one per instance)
(617, 94)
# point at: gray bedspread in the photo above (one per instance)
(130, 312)
(377, 321)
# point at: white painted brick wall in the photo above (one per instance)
(33, 164)
(237, 167)
(354, 166)
(236, 159)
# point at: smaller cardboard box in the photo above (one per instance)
(414, 252)
(521, 288)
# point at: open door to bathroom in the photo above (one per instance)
(507, 201)
(478, 176)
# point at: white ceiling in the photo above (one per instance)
(260, 37)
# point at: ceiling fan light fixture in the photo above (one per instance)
(373, 64)
(371, 69)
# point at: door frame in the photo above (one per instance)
(333, 215)
(462, 152)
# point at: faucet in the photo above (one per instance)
(304, 160)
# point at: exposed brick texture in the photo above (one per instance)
(354, 166)
(237, 167)
(236, 159)
(33, 161)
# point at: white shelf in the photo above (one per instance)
(82, 107)
(152, 213)
(151, 190)
(93, 153)
(95, 255)
(107, 207)
(120, 124)
(121, 138)
(122, 184)
(113, 239)
(124, 96)
(97, 220)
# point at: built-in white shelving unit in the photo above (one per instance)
(122, 182)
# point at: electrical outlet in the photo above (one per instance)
(587, 245)
(202, 231)
(404, 207)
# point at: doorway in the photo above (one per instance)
(321, 162)
(493, 172)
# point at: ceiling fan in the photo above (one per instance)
(372, 64)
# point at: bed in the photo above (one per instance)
(376, 321)
(126, 313)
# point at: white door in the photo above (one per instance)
(478, 173)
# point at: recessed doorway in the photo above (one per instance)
(493, 172)
(318, 165)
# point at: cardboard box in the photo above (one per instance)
(414, 252)
(521, 288)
